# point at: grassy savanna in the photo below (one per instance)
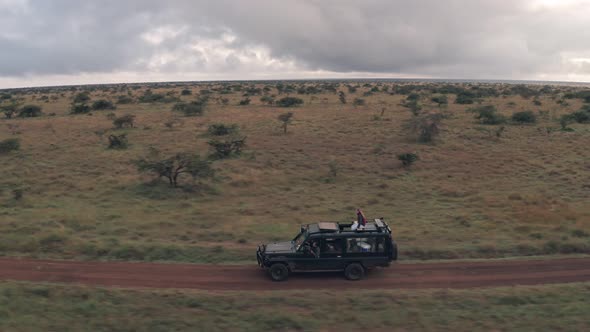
(44, 307)
(476, 190)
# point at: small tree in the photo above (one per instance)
(286, 119)
(220, 129)
(190, 109)
(342, 97)
(407, 159)
(80, 108)
(524, 117)
(172, 167)
(427, 127)
(289, 102)
(244, 102)
(10, 144)
(102, 104)
(30, 111)
(488, 115)
(226, 148)
(358, 102)
(118, 141)
(81, 97)
(440, 100)
(9, 110)
(125, 121)
(267, 100)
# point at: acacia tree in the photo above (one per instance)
(285, 118)
(427, 126)
(172, 167)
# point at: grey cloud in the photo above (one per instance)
(456, 38)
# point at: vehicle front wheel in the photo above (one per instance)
(354, 271)
(279, 272)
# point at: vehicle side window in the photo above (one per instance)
(332, 246)
(380, 244)
(361, 244)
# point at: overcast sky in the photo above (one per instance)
(56, 42)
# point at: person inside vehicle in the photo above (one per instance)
(313, 248)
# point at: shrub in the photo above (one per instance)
(190, 109)
(465, 97)
(581, 116)
(81, 97)
(220, 129)
(286, 119)
(226, 148)
(342, 97)
(524, 117)
(9, 110)
(10, 144)
(123, 99)
(102, 104)
(30, 111)
(488, 115)
(267, 100)
(407, 159)
(427, 127)
(80, 108)
(244, 102)
(440, 100)
(289, 102)
(150, 97)
(124, 121)
(358, 102)
(118, 141)
(172, 167)
(186, 92)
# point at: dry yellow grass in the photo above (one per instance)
(470, 194)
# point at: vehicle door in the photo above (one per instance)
(308, 255)
(331, 253)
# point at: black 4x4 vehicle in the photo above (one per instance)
(330, 246)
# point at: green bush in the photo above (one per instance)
(81, 97)
(524, 117)
(220, 129)
(289, 102)
(190, 109)
(123, 99)
(80, 108)
(118, 141)
(358, 102)
(30, 111)
(10, 144)
(488, 115)
(244, 102)
(226, 148)
(9, 110)
(102, 104)
(581, 116)
(407, 159)
(126, 120)
(186, 92)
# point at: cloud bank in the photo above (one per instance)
(69, 42)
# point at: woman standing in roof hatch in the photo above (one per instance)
(361, 218)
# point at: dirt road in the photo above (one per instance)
(250, 277)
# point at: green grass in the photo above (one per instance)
(470, 195)
(45, 307)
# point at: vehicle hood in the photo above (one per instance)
(279, 247)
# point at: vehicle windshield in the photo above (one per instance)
(298, 240)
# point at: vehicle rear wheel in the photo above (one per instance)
(354, 271)
(278, 272)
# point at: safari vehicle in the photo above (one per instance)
(330, 246)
